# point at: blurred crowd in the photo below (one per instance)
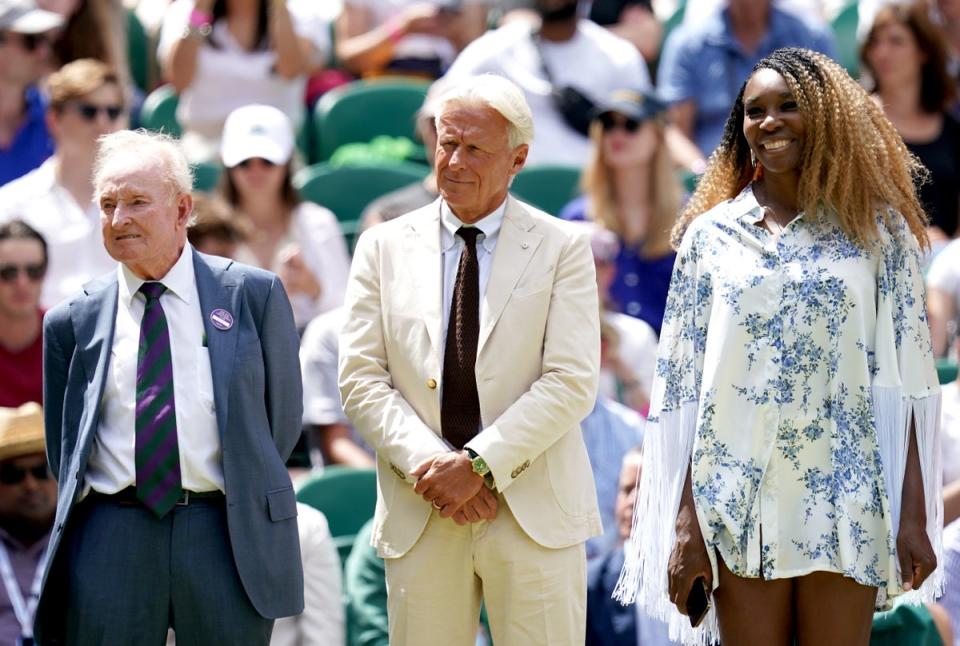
(299, 119)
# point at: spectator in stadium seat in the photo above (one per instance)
(26, 34)
(92, 29)
(632, 189)
(576, 52)
(300, 241)
(703, 65)
(23, 263)
(407, 37)
(28, 499)
(632, 20)
(56, 199)
(215, 229)
(220, 55)
(905, 61)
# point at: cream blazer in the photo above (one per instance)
(537, 365)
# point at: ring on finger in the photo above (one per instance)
(435, 505)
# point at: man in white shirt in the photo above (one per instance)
(564, 51)
(56, 199)
(172, 398)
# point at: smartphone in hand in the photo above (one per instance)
(698, 602)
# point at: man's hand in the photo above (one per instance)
(447, 481)
(483, 506)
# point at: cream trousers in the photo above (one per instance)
(534, 595)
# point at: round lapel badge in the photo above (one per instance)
(221, 319)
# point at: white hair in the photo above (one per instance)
(497, 93)
(161, 148)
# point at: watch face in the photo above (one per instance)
(480, 466)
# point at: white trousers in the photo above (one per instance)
(534, 595)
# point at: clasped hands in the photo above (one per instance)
(448, 482)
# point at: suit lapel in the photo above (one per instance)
(218, 290)
(94, 319)
(516, 246)
(422, 250)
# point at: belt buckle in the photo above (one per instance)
(185, 499)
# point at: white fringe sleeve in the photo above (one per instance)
(906, 392)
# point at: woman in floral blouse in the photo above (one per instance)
(791, 460)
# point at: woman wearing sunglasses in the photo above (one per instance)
(631, 188)
(300, 241)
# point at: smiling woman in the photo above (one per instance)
(795, 383)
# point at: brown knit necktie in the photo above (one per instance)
(460, 403)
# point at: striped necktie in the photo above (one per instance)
(157, 454)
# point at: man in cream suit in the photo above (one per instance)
(468, 357)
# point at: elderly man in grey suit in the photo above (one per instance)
(172, 395)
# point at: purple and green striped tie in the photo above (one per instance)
(157, 455)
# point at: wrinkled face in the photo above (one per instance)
(24, 497)
(257, 176)
(22, 266)
(78, 124)
(627, 493)
(627, 142)
(894, 55)
(474, 160)
(144, 220)
(772, 123)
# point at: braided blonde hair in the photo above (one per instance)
(853, 160)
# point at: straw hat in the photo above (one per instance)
(21, 431)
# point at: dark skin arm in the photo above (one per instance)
(689, 559)
(916, 555)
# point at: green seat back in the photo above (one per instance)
(206, 176)
(359, 111)
(159, 111)
(844, 27)
(947, 370)
(547, 187)
(139, 52)
(347, 190)
(347, 497)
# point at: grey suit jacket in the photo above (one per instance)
(257, 393)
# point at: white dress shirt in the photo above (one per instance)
(452, 245)
(112, 465)
(74, 241)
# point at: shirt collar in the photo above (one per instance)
(489, 225)
(179, 280)
(746, 209)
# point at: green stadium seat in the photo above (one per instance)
(346, 190)
(159, 111)
(140, 58)
(547, 187)
(206, 176)
(359, 111)
(947, 370)
(844, 27)
(347, 497)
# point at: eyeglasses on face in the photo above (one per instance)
(34, 271)
(611, 120)
(28, 42)
(89, 111)
(247, 163)
(11, 474)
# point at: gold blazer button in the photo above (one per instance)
(432, 384)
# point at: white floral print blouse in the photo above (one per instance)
(789, 370)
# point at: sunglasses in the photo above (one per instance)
(89, 111)
(247, 163)
(11, 474)
(29, 42)
(611, 122)
(9, 273)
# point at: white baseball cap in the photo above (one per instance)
(256, 131)
(23, 17)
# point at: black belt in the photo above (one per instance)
(128, 497)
